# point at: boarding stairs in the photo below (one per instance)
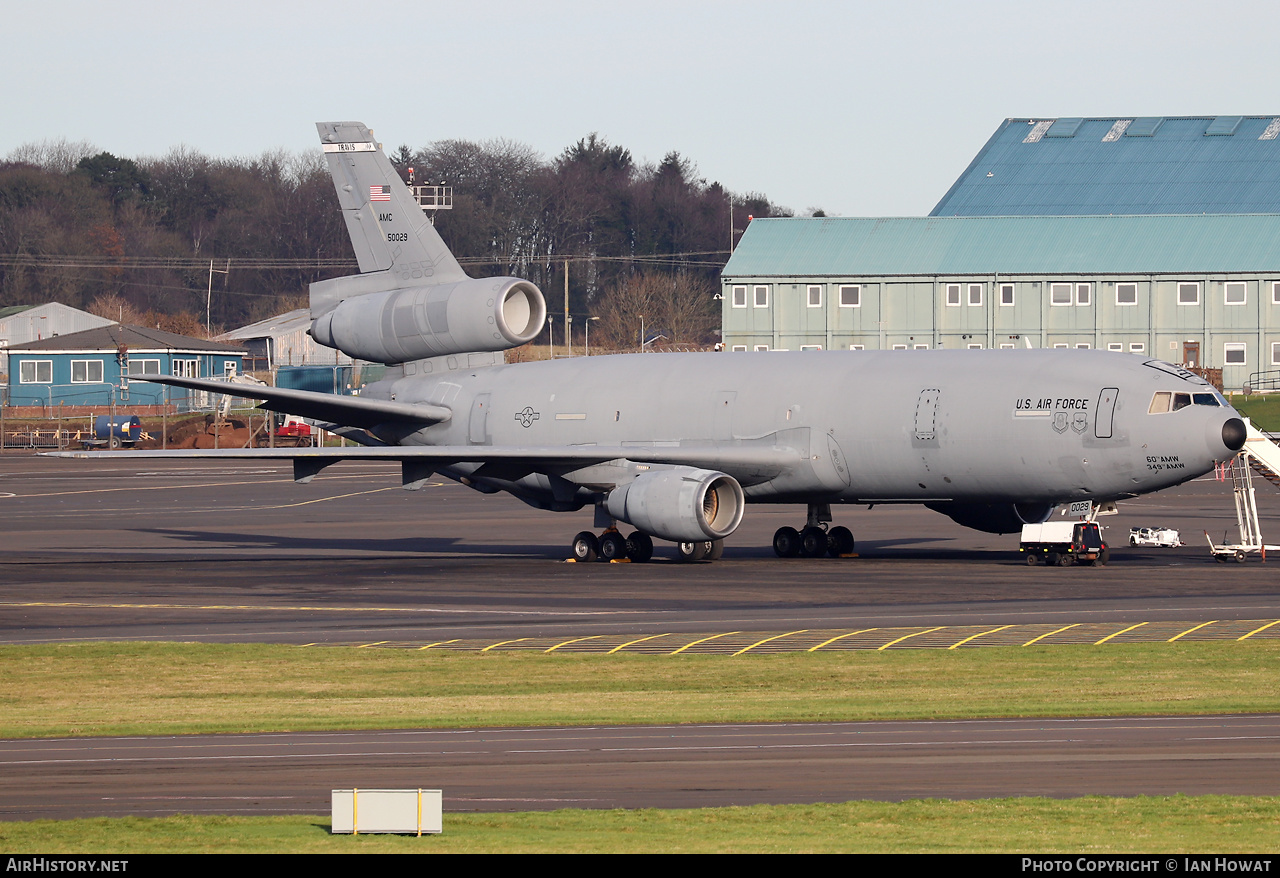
(1259, 455)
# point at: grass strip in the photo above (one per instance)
(1093, 825)
(167, 688)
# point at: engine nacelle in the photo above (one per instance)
(482, 314)
(1004, 518)
(682, 504)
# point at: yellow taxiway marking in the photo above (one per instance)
(503, 643)
(976, 636)
(575, 640)
(767, 639)
(908, 637)
(375, 643)
(1118, 633)
(1256, 630)
(1051, 633)
(1189, 630)
(632, 642)
(704, 640)
(841, 637)
(438, 643)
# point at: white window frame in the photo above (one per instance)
(739, 348)
(1275, 292)
(138, 368)
(1234, 347)
(1065, 289)
(810, 347)
(87, 366)
(899, 347)
(1237, 286)
(1006, 292)
(855, 347)
(1084, 295)
(762, 347)
(975, 289)
(1192, 285)
(1122, 304)
(1007, 346)
(975, 345)
(815, 295)
(953, 295)
(1061, 346)
(1115, 346)
(1138, 347)
(1275, 353)
(186, 368)
(738, 296)
(761, 295)
(856, 290)
(37, 366)
(1083, 346)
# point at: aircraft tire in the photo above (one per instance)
(715, 550)
(689, 552)
(786, 542)
(585, 546)
(813, 542)
(613, 545)
(839, 542)
(640, 547)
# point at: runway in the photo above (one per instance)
(645, 766)
(160, 550)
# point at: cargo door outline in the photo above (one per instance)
(927, 414)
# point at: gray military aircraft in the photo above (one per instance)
(675, 445)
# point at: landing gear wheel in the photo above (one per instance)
(613, 546)
(1031, 559)
(639, 547)
(813, 542)
(585, 546)
(691, 551)
(786, 542)
(715, 550)
(839, 542)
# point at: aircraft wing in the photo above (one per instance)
(354, 411)
(749, 464)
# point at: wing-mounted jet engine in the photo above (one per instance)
(411, 300)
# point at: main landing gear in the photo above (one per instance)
(637, 548)
(815, 540)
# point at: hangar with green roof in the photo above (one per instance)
(1158, 237)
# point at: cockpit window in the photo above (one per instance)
(1165, 401)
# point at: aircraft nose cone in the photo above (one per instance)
(1233, 434)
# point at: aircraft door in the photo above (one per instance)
(927, 414)
(1102, 419)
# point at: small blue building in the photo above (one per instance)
(99, 367)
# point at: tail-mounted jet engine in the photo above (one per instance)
(396, 326)
(681, 504)
(992, 518)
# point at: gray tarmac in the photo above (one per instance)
(195, 551)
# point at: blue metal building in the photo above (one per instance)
(99, 367)
(1122, 165)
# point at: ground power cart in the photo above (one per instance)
(1062, 543)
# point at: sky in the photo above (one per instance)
(858, 108)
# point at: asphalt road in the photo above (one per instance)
(188, 550)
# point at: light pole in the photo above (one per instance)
(642, 333)
(568, 333)
(551, 337)
(586, 330)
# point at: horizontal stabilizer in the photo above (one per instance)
(354, 411)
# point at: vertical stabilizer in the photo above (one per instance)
(387, 226)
